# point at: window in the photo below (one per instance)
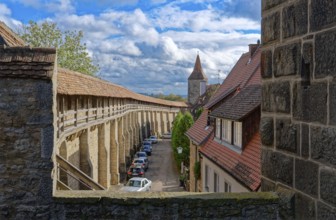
(237, 134)
(226, 130)
(215, 182)
(227, 187)
(218, 127)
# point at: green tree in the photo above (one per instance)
(181, 125)
(71, 53)
(170, 97)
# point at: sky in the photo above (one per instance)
(150, 46)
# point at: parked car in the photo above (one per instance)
(148, 143)
(137, 184)
(166, 135)
(140, 154)
(142, 161)
(135, 171)
(147, 149)
(154, 139)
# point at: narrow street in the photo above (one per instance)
(162, 169)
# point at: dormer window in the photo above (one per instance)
(218, 128)
(229, 133)
(226, 130)
(237, 134)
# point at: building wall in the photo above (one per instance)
(223, 177)
(298, 124)
(194, 90)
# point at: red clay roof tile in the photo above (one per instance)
(74, 83)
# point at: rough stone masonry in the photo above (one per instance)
(299, 107)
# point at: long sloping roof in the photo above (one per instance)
(237, 107)
(241, 75)
(245, 167)
(74, 83)
(199, 132)
(8, 37)
(197, 73)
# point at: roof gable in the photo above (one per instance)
(197, 73)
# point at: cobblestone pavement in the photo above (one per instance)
(162, 169)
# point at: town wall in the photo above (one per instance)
(298, 126)
(29, 145)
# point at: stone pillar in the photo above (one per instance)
(85, 163)
(122, 160)
(27, 99)
(104, 155)
(163, 123)
(157, 123)
(114, 153)
(298, 107)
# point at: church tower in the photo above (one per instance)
(197, 82)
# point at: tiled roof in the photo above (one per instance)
(8, 37)
(199, 132)
(237, 107)
(245, 72)
(245, 167)
(198, 73)
(203, 99)
(25, 62)
(74, 83)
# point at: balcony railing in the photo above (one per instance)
(73, 119)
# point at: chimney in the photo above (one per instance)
(253, 48)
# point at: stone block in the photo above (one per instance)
(295, 19)
(327, 186)
(267, 4)
(276, 97)
(325, 212)
(323, 144)
(307, 64)
(266, 64)
(304, 207)
(266, 131)
(332, 103)
(306, 177)
(325, 50)
(287, 60)
(277, 166)
(305, 140)
(267, 186)
(310, 103)
(270, 28)
(287, 135)
(322, 14)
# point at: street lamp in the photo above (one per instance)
(179, 151)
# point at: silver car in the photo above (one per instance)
(137, 184)
(142, 161)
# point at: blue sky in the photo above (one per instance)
(150, 46)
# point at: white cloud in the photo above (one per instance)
(154, 51)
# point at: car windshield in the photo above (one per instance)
(135, 183)
(142, 154)
(138, 161)
(152, 137)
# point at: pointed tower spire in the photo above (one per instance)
(197, 73)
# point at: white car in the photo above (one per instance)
(166, 135)
(137, 184)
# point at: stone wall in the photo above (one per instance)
(27, 131)
(298, 109)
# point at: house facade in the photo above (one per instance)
(225, 141)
